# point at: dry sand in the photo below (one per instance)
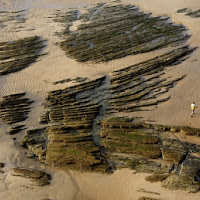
(37, 80)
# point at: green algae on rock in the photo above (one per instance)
(68, 149)
(63, 147)
(127, 150)
(67, 142)
(156, 177)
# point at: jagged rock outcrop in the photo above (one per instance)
(39, 178)
(14, 108)
(36, 141)
(16, 129)
(134, 90)
(68, 149)
(19, 54)
(72, 115)
(64, 107)
(65, 148)
(139, 142)
(67, 143)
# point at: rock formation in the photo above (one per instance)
(137, 143)
(14, 108)
(133, 89)
(147, 198)
(74, 117)
(75, 113)
(109, 32)
(19, 54)
(189, 12)
(67, 143)
(39, 178)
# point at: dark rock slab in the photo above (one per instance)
(36, 142)
(19, 54)
(175, 182)
(105, 37)
(39, 178)
(16, 129)
(14, 108)
(147, 198)
(131, 145)
(136, 140)
(68, 149)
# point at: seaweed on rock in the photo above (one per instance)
(67, 142)
(136, 143)
(74, 112)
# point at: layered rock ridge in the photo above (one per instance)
(19, 54)
(78, 130)
(134, 145)
(67, 142)
(107, 32)
(14, 109)
(70, 140)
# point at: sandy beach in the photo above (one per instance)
(37, 79)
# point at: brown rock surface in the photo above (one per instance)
(40, 178)
(136, 142)
(19, 54)
(14, 108)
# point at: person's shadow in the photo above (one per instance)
(196, 115)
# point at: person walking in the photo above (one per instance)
(193, 107)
